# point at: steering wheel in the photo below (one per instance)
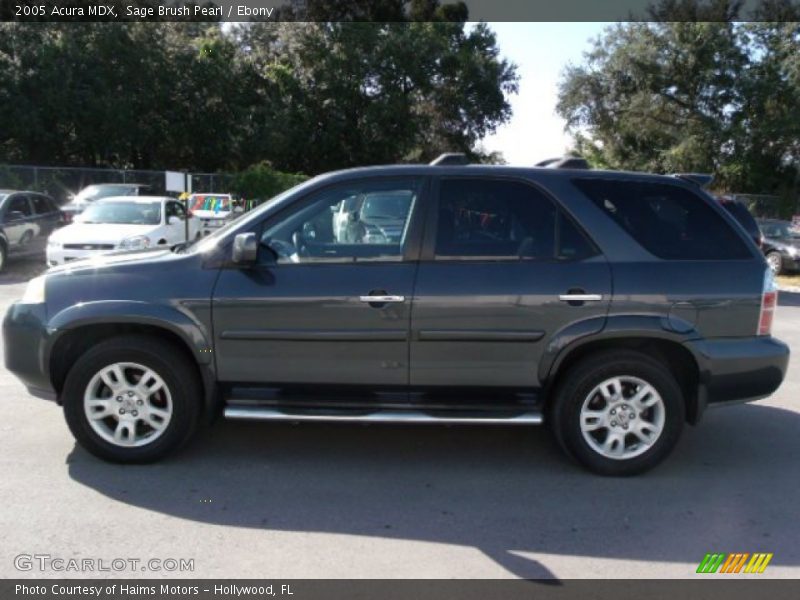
(299, 242)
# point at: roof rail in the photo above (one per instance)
(699, 179)
(565, 162)
(450, 158)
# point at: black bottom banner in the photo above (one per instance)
(402, 589)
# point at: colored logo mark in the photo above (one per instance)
(739, 562)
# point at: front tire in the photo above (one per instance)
(775, 262)
(618, 412)
(132, 399)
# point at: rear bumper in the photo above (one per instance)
(24, 342)
(739, 369)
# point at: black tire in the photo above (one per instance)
(168, 362)
(578, 383)
(775, 262)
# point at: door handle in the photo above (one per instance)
(382, 299)
(580, 297)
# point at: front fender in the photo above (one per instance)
(105, 312)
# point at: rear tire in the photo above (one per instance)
(132, 399)
(618, 412)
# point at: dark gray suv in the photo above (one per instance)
(614, 307)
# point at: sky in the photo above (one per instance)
(541, 51)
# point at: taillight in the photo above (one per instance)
(769, 299)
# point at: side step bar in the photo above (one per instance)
(258, 413)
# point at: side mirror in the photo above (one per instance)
(173, 220)
(245, 249)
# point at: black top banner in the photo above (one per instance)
(398, 10)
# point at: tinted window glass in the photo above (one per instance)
(175, 209)
(360, 221)
(41, 205)
(742, 215)
(667, 220)
(19, 204)
(481, 218)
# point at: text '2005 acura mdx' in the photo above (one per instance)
(615, 307)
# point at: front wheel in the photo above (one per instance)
(775, 262)
(132, 399)
(618, 412)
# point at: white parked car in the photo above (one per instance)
(123, 223)
(212, 210)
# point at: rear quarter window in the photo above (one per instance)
(742, 215)
(668, 221)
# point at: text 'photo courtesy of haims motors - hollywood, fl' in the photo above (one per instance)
(388, 299)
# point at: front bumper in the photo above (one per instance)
(739, 369)
(25, 338)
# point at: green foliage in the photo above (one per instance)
(306, 97)
(261, 181)
(713, 96)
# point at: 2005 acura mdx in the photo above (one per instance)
(613, 306)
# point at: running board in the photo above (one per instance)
(257, 413)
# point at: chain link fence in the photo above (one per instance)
(764, 206)
(60, 182)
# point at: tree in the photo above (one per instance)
(346, 94)
(714, 96)
(305, 97)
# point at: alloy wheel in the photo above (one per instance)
(622, 417)
(128, 404)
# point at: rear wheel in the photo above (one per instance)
(129, 400)
(618, 412)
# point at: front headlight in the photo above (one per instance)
(34, 293)
(136, 242)
(792, 251)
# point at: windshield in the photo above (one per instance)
(210, 202)
(95, 192)
(210, 241)
(119, 213)
(779, 230)
(386, 206)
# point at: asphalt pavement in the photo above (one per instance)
(344, 501)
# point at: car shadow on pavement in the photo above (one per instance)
(731, 486)
(788, 299)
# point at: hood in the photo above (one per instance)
(98, 233)
(115, 258)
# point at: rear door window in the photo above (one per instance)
(485, 219)
(668, 221)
